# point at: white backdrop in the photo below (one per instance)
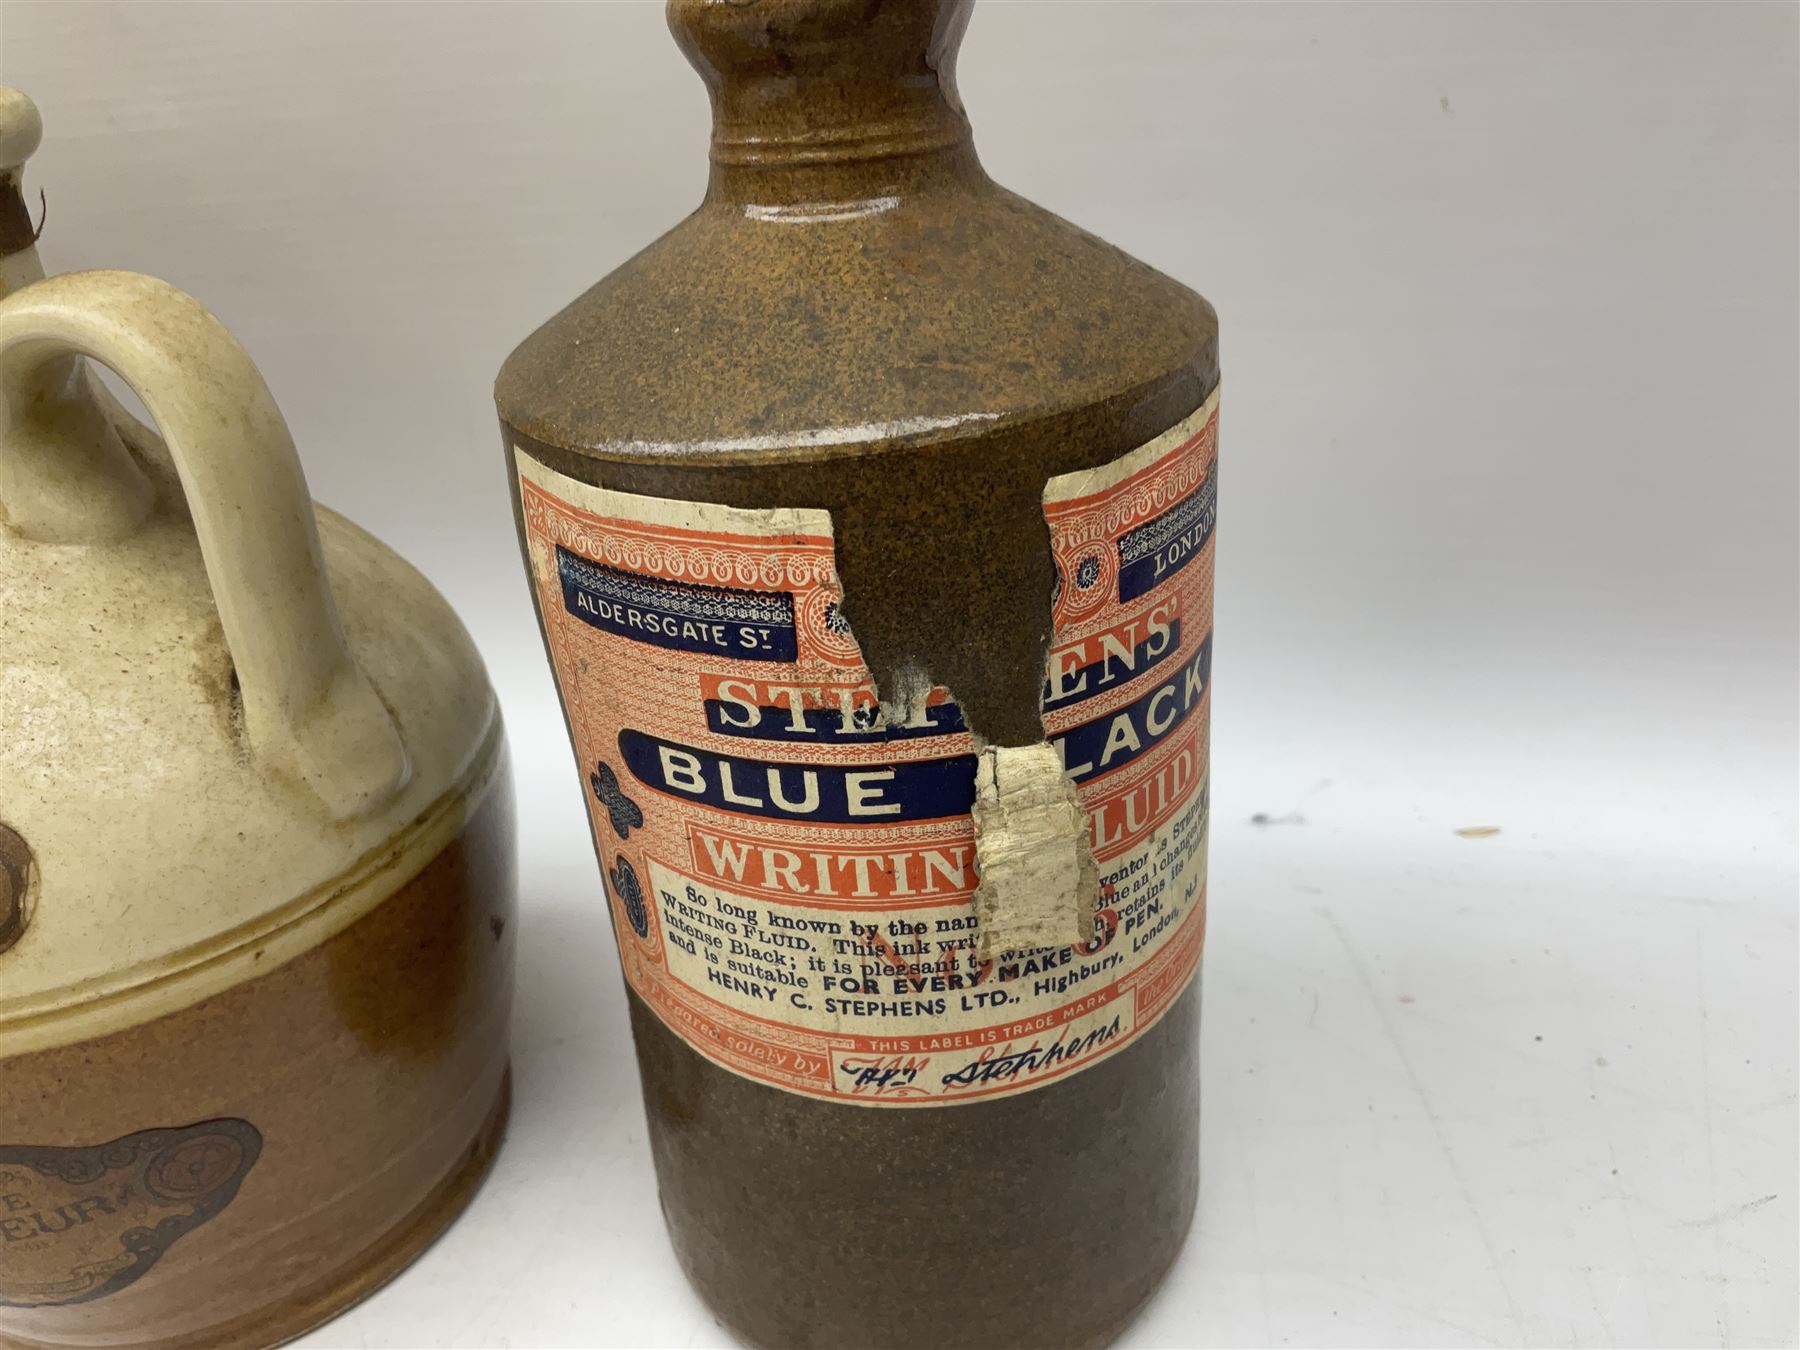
(1508, 295)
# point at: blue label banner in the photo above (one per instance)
(856, 795)
(679, 615)
(1159, 548)
(1113, 741)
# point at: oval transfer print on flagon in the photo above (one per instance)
(77, 1224)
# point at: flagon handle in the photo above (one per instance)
(309, 712)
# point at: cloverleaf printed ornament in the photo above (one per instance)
(625, 814)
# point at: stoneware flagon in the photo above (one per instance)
(869, 519)
(256, 847)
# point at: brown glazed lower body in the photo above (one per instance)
(1043, 1220)
(374, 1068)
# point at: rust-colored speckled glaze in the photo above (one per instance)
(858, 319)
(371, 1074)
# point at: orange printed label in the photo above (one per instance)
(791, 873)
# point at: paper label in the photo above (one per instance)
(792, 878)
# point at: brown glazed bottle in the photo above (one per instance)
(869, 517)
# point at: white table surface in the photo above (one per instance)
(1532, 1088)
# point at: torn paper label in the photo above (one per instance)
(851, 900)
(1039, 885)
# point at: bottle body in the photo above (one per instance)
(850, 504)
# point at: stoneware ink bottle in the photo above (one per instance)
(869, 515)
(256, 858)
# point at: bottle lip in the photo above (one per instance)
(21, 130)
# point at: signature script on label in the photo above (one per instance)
(1007, 1064)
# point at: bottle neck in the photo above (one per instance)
(19, 264)
(843, 185)
(829, 100)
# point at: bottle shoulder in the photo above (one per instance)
(747, 334)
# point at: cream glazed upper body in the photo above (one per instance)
(231, 724)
